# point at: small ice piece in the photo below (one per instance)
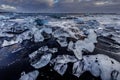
(78, 68)
(29, 76)
(34, 29)
(24, 36)
(47, 30)
(64, 59)
(38, 36)
(7, 43)
(62, 41)
(44, 48)
(60, 68)
(53, 50)
(32, 55)
(44, 60)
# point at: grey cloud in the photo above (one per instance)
(81, 6)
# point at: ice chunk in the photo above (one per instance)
(60, 68)
(24, 36)
(47, 30)
(41, 57)
(32, 55)
(61, 63)
(92, 37)
(99, 65)
(87, 44)
(38, 33)
(44, 48)
(38, 36)
(78, 68)
(64, 59)
(43, 61)
(62, 41)
(76, 48)
(6, 43)
(107, 66)
(33, 29)
(53, 50)
(29, 76)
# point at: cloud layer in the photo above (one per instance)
(81, 6)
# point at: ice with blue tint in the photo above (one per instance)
(29, 76)
(43, 61)
(99, 65)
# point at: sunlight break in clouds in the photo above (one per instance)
(49, 2)
(100, 3)
(7, 7)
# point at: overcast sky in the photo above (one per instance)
(55, 6)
